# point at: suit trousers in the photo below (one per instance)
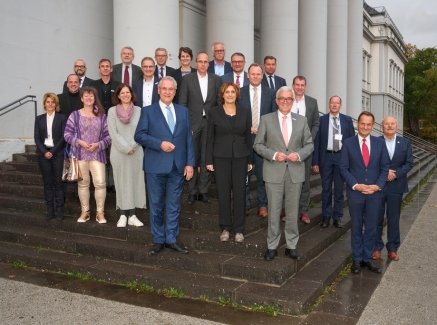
(97, 170)
(257, 160)
(392, 204)
(51, 170)
(200, 182)
(168, 186)
(275, 195)
(305, 195)
(230, 173)
(330, 172)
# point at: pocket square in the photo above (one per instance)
(293, 118)
(112, 91)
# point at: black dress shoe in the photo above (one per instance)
(372, 267)
(204, 198)
(112, 189)
(156, 248)
(356, 267)
(177, 248)
(325, 223)
(191, 199)
(270, 254)
(292, 253)
(338, 223)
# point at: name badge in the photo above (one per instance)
(48, 142)
(338, 137)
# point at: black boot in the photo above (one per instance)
(50, 212)
(60, 215)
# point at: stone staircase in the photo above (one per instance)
(211, 270)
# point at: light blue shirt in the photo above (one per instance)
(219, 69)
(391, 144)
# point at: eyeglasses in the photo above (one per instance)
(202, 62)
(237, 62)
(80, 66)
(283, 99)
(219, 51)
(161, 55)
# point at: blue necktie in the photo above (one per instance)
(170, 119)
(271, 83)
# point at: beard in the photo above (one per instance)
(80, 73)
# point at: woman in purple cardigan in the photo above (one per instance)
(87, 133)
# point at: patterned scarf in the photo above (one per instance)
(124, 115)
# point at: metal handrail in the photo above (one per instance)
(18, 103)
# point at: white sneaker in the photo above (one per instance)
(122, 221)
(133, 221)
(224, 236)
(239, 238)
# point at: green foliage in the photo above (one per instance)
(79, 275)
(139, 287)
(20, 264)
(41, 249)
(269, 310)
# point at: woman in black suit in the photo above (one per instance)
(185, 56)
(49, 140)
(228, 155)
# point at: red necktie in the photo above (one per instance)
(237, 82)
(126, 76)
(285, 130)
(161, 74)
(365, 152)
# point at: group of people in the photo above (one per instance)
(169, 123)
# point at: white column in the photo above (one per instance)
(354, 50)
(336, 75)
(313, 20)
(146, 25)
(279, 33)
(231, 22)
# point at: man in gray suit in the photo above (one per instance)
(199, 93)
(306, 106)
(284, 141)
(238, 76)
(126, 72)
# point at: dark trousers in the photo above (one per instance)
(257, 160)
(230, 173)
(200, 182)
(304, 201)
(392, 204)
(51, 170)
(330, 172)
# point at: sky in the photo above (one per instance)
(415, 19)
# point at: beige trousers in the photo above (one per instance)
(97, 170)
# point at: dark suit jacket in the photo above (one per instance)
(40, 134)
(64, 104)
(190, 96)
(268, 103)
(227, 69)
(169, 71)
(98, 85)
(225, 140)
(279, 81)
(86, 83)
(137, 87)
(152, 129)
(177, 75)
(402, 162)
(321, 139)
(229, 77)
(117, 69)
(353, 170)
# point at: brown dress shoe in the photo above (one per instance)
(376, 255)
(304, 217)
(247, 213)
(393, 256)
(262, 212)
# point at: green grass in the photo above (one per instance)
(40, 249)
(139, 287)
(20, 264)
(269, 310)
(79, 275)
(312, 204)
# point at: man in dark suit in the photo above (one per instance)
(269, 78)
(164, 130)
(219, 66)
(126, 72)
(364, 165)
(162, 69)
(333, 129)
(306, 106)
(401, 162)
(238, 76)
(199, 92)
(264, 99)
(146, 89)
(80, 70)
(70, 101)
(284, 141)
(105, 86)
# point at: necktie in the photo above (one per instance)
(271, 83)
(297, 105)
(255, 109)
(336, 143)
(285, 130)
(80, 83)
(126, 76)
(161, 74)
(170, 119)
(365, 152)
(238, 81)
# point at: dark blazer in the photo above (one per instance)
(190, 96)
(117, 69)
(98, 85)
(229, 77)
(64, 104)
(268, 103)
(353, 170)
(321, 139)
(152, 130)
(225, 140)
(137, 87)
(227, 69)
(86, 82)
(169, 71)
(279, 81)
(40, 134)
(177, 75)
(402, 162)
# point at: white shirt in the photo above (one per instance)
(164, 70)
(360, 139)
(50, 125)
(289, 127)
(130, 73)
(299, 105)
(147, 92)
(203, 82)
(331, 132)
(164, 111)
(251, 92)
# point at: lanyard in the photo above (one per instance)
(337, 127)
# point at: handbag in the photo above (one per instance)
(71, 172)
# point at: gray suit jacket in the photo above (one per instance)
(269, 140)
(190, 96)
(137, 73)
(312, 115)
